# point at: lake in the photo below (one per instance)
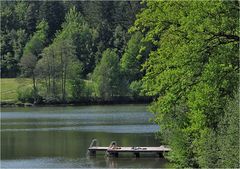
(58, 137)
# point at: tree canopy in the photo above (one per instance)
(107, 75)
(100, 25)
(193, 68)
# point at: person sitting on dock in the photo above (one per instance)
(113, 145)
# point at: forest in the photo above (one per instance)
(72, 51)
(183, 54)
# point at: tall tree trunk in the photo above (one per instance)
(49, 77)
(54, 77)
(34, 86)
(49, 83)
(64, 82)
(46, 84)
(62, 76)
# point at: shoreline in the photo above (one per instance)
(83, 102)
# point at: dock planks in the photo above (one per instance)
(131, 149)
(135, 150)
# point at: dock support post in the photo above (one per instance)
(112, 154)
(160, 154)
(116, 154)
(137, 154)
(92, 153)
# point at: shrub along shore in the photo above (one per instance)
(84, 101)
(17, 92)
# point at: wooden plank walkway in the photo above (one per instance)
(131, 149)
(114, 150)
(97, 148)
(135, 150)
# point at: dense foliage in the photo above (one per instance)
(61, 45)
(194, 69)
(108, 22)
(184, 53)
(107, 75)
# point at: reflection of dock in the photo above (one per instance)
(124, 162)
(114, 150)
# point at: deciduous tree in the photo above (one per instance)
(107, 75)
(193, 68)
(32, 50)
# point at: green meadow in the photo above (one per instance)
(10, 87)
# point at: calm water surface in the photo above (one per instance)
(58, 137)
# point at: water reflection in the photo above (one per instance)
(99, 128)
(85, 163)
(135, 162)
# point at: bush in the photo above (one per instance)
(77, 88)
(52, 100)
(88, 89)
(25, 94)
(135, 88)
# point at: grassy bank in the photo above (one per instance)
(10, 87)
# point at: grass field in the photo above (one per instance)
(10, 86)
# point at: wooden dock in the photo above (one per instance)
(114, 151)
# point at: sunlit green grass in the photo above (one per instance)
(10, 86)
